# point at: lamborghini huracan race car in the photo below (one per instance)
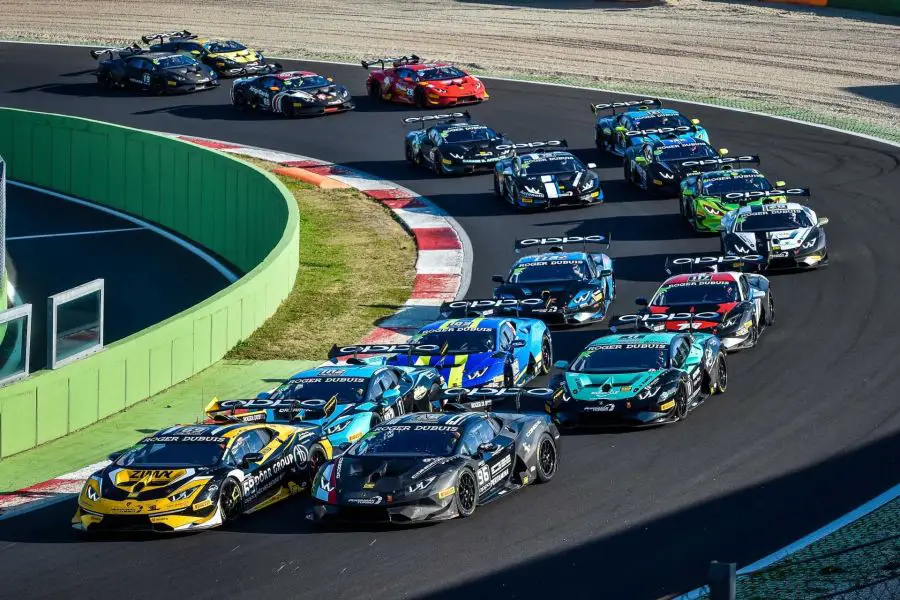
(410, 81)
(155, 72)
(343, 400)
(737, 307)
(454, 145)
(639, 123)
(707, 197)
(639, 379)
(658, 165)
(291, 93)
(436, 466)
(480, 351)
(199, 476)
(227, 57)
(788, 235)
(571, 287)
(546, 178)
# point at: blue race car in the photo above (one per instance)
(641, 122)
(344, 400)
(558, 287)
(481, 351)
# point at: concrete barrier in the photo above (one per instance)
(239, 212)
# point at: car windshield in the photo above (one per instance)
(662, 121)
(439, 73)
(306, 81)
(420, 440)
(546, 166)
(776, 220)
(346, 389)
(621, 358)
(550, 270)
(220, 46)
(173, 454)
(685, 152)
(706, 292)
(458, 341)
(717, 186)
(468, 134)
(174, 61)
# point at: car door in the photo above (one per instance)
(621, 140)
(405, 84)
(680, 350)
(137, 72)
(496, 461)
(258, 476)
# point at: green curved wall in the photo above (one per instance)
(239, 212)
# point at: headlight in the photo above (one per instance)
(182, 495)
(732, 321)
(438, 90)
(666, 175)
(344, 93)
(588, 183)
(477, 374)
(338, 427)
(420, 485)
(533, 191)
(650, 391)
(585, 297)
(709, 208)
(303, 96)
(457, 156)
(93, 493)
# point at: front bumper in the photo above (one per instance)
(594, 197)
(731, 342)
(583, 414)
(237, 70)
(472, 165)
(187, 87)
(787, 260)
(322, 109)
(437, 100)
(184, 520)
(423, 510)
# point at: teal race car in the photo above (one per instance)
(638, 379)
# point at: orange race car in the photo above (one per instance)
(410, 81)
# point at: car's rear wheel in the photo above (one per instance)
(239, 101)
(104, 81)
(408, 152)
(231, 500)
(466, 493)
(546, 355)
(287, 109)
(547, 458)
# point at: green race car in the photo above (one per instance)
(639, 379)
(707, 197)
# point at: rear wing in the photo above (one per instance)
(662, 131)
(184, 34)
(370, 349)
(410, 59)
(512, 399)
(424, 120)
(555, 242)
(460, 309)
(745, 197)
(249, 410)
(688, 264)
(542, 146)
(659, 321)
(639, 104)
(121, 52)
(722, 161)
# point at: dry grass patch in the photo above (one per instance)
(357, 266)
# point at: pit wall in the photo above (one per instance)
(241, 213)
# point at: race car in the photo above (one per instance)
(545, 177)
(291, 93)
(641, 121)
(410, 81)
(789, 236)
(228, 58)
(191, 477)
(435, 466)
(565, 287)
(480, 351)
(735, 306)
(636, 379)
(454, 145)
(658, 165)
(343, 400)
(707, 197)
(155, 72)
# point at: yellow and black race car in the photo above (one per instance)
(200, 476)
(228, 58)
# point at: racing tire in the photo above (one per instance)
(407, 150)
(419, 98)
(231, 500)
(375, 91)
(104, 81)
(508, 380)
(466, 493)
(498, 191)
(436, 165)
(721, 375)
(681, 404)
(547, 458)
(287, 110)
(156, 88)
(317, 457)
(769, 314)
(239, 102)
(546, 355)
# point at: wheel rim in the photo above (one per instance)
(231, 497)
(723, 375)
(546, 356)
(681, 405)
(771, 310)
(547, 458)
(466, 492)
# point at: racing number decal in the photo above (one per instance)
(145, 78)
(484, 476)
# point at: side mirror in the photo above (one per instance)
(620, 129)
(561, 364)
(498, 354)
(498, 279)
(251, 457)
(592, 165)
(606, 272)
(780, 184)
(195, 52)
(758, 294)
(695, 121)
(275, 88)
(114, 456)
(330, 79)
(641, 301)
(723, 151)
(517, 343)
(822, 221)
(390, 396)
(641, 160)
(486, 448)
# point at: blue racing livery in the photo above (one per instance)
(641, 121)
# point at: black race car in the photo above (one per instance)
(292, 93)
(540, 175)
(156, 72)
(451, 144)
(435, 466)
(228, 58)
(661, 163)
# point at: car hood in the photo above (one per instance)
(557, 293)
(760, 241)
(140, 484)
(608, 386)
(462, 86)
(374, 480)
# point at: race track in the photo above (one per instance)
(807, 431)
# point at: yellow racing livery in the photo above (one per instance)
(228, 58)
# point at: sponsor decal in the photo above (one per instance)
(573, 239)
(444, 493)
(530, 145)
(369, 501)
(667, 406)
(498, 392)
(660, 131)
(507, 460)
(724, 160)
(183, 438)
(201, 505)
(600, 408)
(767, 194)
(712, 260)
(263, 479)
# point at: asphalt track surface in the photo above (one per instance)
(807, 431)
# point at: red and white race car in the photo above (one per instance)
(410, 81)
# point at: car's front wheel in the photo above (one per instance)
(498, 190)
(721, 384)
(546, 355)
(547, 458)
(374, 91)
(770, 310)
(157, 88)
(231, 500)
(437, 163)
(466, 493)
(681, 403)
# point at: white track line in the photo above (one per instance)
(70, 233)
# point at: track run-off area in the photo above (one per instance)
(808, 430)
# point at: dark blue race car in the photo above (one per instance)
(641, 121)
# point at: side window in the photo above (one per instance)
(391, 379)
(435, 137)
(483, 432)
(506, 337)
(680, 353)
(648, 153)
(252, 441)
(745, 288)
(469, 442)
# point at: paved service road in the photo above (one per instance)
(57, 245)
(807, 431)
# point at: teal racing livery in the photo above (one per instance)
(636, 379)
(641, 121)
